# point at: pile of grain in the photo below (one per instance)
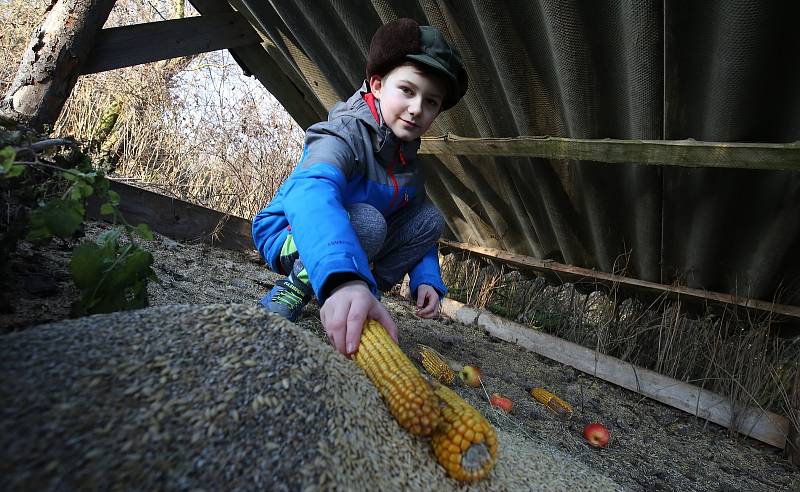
(217, 397)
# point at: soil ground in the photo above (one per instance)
(653, 446)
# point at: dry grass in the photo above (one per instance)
(727, 351)
(197, 128)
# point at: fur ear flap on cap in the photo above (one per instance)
(390, 44)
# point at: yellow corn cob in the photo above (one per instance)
(436, 365)
(552, 402)
(465, 444)
(410, 399)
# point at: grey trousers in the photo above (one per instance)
(395, 245)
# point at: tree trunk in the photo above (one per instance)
(51, 63)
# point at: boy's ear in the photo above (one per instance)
(376, 85)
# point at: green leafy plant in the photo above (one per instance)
(112, 276)
(112, 272)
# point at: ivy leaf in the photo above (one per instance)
(143, 230)
(55, 218)
(87, 265)
(110, 236)
(113, 197)
(15, 171)
(7, 155)
(81, 190)
(129, 269)
(111, 280)
(101, 184)
(71, 176)
(106, 209)
(89, 176)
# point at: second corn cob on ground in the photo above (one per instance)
(553, 403)
(410, 399)
(436, 365)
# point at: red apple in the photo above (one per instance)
(471, 376)
(596, 434)
(504, 403)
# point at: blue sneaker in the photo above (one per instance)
(287, 299)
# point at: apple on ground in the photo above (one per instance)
(597, 434)
(504, 403)
(471, 376)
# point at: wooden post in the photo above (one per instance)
(51, 63)
(793, 441)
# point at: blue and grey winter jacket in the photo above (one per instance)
(351, 158)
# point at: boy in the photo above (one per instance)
(352, 218)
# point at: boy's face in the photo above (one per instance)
(410, 100)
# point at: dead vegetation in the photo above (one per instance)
(194, 128)
(730, 352)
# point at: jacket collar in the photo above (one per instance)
(386, 143)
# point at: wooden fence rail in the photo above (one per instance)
(686, 153)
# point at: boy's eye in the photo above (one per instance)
(405, 90)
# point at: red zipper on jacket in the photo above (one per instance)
(394, 181)
(370, 100)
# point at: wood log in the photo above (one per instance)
(765, 426)
(52, 61)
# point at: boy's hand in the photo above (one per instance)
(345, 311)
(427, 301)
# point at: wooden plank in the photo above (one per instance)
(571, 273)
(127, 46)
(793, 443)
(765, 426)
(178, 219)
(687, 153)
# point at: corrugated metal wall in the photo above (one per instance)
(712, 70)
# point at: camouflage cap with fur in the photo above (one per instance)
(404, 40)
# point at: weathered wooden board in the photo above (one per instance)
(765, 426)
(568, 273)
(127, 46)
(687, 153)
(793, 442)
(178, 219)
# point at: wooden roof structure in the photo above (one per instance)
(656, 141)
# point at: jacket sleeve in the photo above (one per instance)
(314, 207)
(427, 271)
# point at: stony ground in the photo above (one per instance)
(654, 447)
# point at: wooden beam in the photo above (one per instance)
(686, 153)
(759, 424)
(127, 46)
(793, 443)
(269, 65)
(568, 273)
(178, 219)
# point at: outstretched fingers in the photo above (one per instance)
(381, 315)
(355, 324)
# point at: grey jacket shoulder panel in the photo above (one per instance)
(353, 141)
